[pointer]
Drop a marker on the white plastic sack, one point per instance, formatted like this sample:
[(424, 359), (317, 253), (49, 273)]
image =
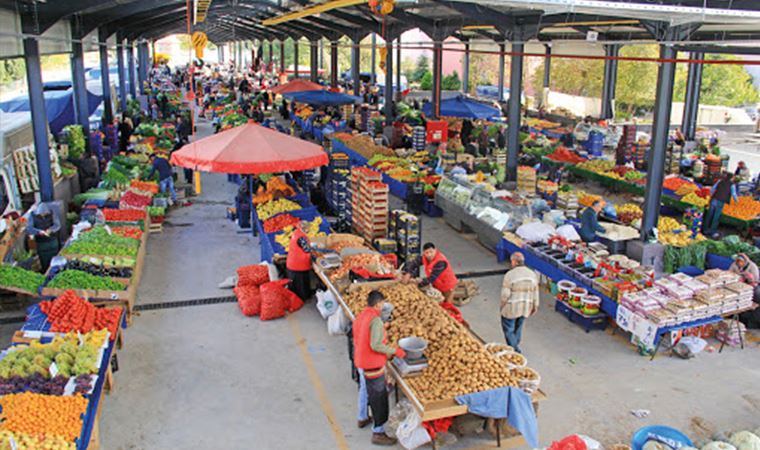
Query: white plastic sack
[(693, 343), (535, 232), (568, 232), (274, 275), (410, 433), (326, 303), (229, 282), (337, 323)]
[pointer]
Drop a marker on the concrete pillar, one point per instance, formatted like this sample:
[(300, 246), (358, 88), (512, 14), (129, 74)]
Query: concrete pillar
[(513, 117), (122, 76), (466, 69), (502, 50), (314, 61), (131, 68), (373, 74), (334, 64), (389, 116), (39, 117), (437, 73), (355, 66), (610, 80), (81, 105), (105, 76), (660, 130), (691, 100)]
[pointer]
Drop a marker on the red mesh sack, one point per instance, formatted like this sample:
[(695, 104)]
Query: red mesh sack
[(294, 302), (249, 300), (274, 303), (254, 275)]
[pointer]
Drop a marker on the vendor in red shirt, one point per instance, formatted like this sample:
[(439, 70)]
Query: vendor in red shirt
[(438, 271), (299, 264)]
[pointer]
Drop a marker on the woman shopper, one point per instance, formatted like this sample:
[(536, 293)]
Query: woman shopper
[(722, 193)]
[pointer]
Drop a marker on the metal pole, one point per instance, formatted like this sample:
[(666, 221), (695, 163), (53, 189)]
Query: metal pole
[(610, 81), (398, 64), (373, 76), (105, 77), (39, 117), (321, 54), (437, 69), (466, 69), (131, 68), (140, 67), (389, 116), (355, 66), (691, 100), (270, 63), (513, 117), (122, 77), (660, 130), (313, 60), (502, 50), (282, 56), (81, 105), (334, 64), (547, 67)]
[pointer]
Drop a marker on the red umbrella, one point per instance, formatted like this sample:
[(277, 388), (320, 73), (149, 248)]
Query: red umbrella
[(250, 149), (297, 86)]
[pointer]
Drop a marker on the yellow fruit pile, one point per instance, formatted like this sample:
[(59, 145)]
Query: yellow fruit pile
[(673, 233), (312, 230), (272, 208), (745, 209), (48, 415), (693, 199), (597, 165), (686, 188), (586, 199)]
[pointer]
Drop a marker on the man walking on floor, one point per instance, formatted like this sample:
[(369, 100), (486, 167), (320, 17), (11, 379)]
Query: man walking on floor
[(371, 352), (165, 176), (519, 299)]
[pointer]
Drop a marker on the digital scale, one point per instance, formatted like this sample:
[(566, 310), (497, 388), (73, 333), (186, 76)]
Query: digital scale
[(329, 261), (410, 367)]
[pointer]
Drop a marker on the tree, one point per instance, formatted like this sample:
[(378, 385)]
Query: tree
[(11, 70), (636, 80), (484, 70), (423, 64), (722, 84), (426, 83), (451, 82), (408, 67)]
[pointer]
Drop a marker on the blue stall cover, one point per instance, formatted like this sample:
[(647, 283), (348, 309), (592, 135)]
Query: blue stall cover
[(59, 106), (323, 98), (461, 106)]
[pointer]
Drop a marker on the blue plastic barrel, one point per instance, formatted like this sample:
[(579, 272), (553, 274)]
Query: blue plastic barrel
[(595, 143)]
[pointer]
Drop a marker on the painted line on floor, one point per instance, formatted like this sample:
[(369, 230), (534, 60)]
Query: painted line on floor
[(316, 382)]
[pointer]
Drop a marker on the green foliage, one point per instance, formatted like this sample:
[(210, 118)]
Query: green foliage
[(722, 84), (75, 140), (451, 82), (421, 69), (11, 70), (426, 83)]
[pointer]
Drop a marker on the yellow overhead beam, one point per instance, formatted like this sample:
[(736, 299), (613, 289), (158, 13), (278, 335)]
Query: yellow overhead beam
[(201, 9), (313, 10)]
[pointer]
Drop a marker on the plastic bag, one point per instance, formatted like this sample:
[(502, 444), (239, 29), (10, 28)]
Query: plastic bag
[(572, 442), (254, 275), (326, 303), (273, 300), (410, 432), (337, 324), (228, 283), (249, 300)]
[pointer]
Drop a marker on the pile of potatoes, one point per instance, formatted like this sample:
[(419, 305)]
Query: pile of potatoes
[(458, 364)]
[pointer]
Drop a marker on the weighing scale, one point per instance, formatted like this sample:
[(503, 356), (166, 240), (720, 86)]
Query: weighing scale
[(329, 261), (410, 367)]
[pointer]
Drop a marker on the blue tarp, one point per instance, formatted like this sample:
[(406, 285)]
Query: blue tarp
[(59, 106), (94, 73), (59, 85), (463, 107), (322, 98), (505, 403)]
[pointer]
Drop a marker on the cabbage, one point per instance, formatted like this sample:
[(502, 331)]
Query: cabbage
[(744, 440), (717, 445)]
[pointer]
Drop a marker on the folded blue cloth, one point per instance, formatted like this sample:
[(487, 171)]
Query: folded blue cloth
[(510, 403)]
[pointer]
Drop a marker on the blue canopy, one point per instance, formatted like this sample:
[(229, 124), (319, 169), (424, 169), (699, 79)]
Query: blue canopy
[(463, 107), (59, 106), (322, 98), (59, 85)]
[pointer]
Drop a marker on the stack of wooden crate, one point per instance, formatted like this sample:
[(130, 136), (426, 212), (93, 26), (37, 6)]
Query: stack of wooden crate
[(369, 203)]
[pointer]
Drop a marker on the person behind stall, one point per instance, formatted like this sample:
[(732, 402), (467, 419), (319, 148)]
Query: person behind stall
[(590, 221), (438, 271), (742, 172), (722, 193), (164, 169), (371, 352), (44, 227), (750, 274), (519, 299), (182, 130), (125, 132), (501, 138), (466, 131), (298, 264), (243, 200)]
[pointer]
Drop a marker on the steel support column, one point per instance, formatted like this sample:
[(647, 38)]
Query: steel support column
[(691, 100), (105, 76), (502, 50), (398, 64), (334, 64), (356, 51), (388, 94), (39, 117), (466, 69), (81, 105), (321, 54), (282, 56), (437, 73), (610, 80), (295, 58), (660, 130), (270, 63), (131, 68), (313, 60), (122, 77), (140, 67), (547, 75), (373, 75), (220, 53), (514, 115)]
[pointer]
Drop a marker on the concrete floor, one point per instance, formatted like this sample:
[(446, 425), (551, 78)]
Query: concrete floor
[(206, 377)]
